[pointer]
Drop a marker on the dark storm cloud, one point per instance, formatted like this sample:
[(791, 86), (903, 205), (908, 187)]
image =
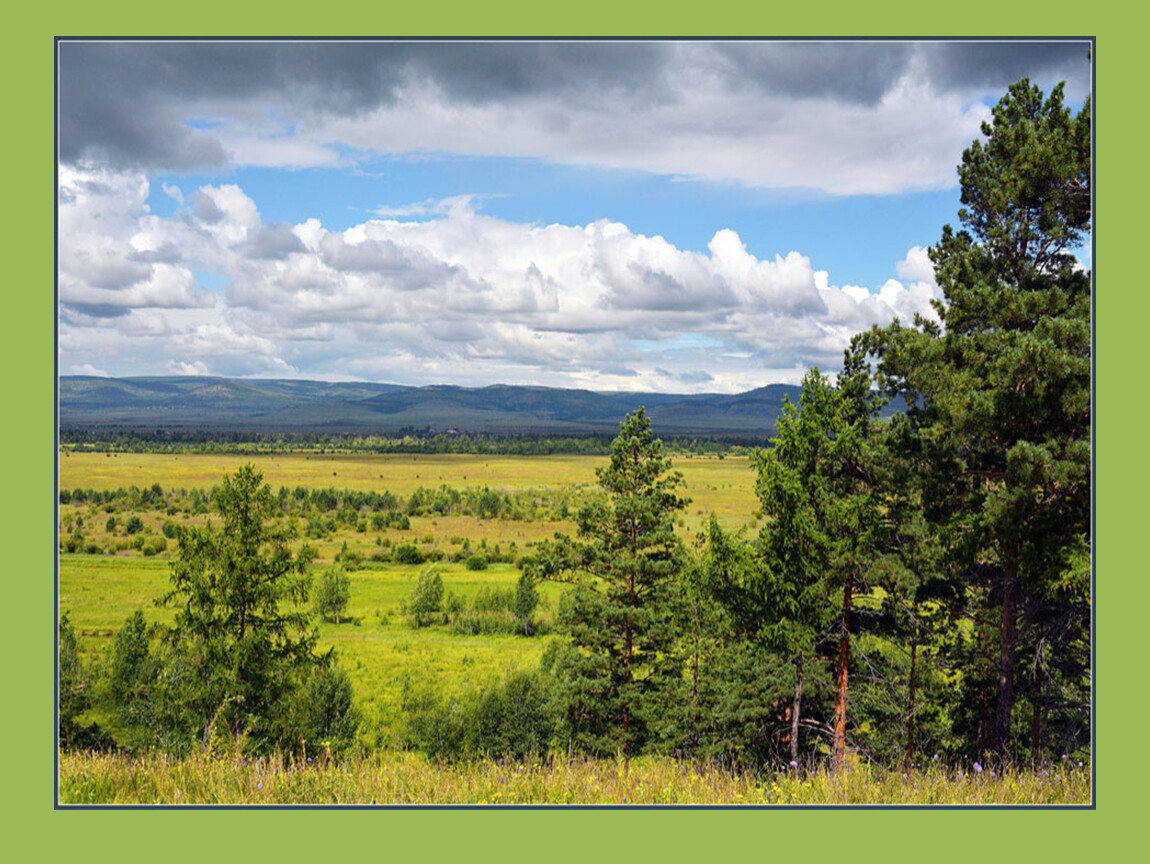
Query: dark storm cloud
[(129, 104), (848, 71), (995, 65)]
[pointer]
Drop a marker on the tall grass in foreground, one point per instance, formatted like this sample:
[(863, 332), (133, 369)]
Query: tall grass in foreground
[(407, 778)]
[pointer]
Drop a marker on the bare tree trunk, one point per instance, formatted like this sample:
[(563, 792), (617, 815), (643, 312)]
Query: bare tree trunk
[(795, 708), (840, 724), (1006, 663), (910, 705), (627, 680), (1036, 718), (982, 664), (695, 688)]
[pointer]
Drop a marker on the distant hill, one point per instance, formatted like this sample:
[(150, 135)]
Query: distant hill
[(246, 405)]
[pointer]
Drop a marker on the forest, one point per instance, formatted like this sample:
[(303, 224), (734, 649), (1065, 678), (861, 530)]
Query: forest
[(909, 590)]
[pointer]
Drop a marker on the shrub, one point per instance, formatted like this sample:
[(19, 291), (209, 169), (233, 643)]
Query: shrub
[(509, 718), (427, 597), (134, 525), (476, 562), (333, 593), (325, 719), (408, 553)]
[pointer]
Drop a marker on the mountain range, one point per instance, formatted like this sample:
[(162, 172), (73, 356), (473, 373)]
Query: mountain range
[(283, 405)]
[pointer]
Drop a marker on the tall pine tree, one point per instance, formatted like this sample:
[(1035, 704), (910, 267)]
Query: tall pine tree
[(1000, 388), (624, 555)]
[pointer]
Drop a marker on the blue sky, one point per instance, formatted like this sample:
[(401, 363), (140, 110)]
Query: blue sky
[(672, 216)]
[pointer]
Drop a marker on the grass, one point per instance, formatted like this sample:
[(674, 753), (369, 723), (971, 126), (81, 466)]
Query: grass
[(723, 486), (410, 779), (375, 644)]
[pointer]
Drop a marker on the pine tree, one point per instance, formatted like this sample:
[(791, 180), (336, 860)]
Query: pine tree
[(1000, 390), (625, 554), (814, 484)]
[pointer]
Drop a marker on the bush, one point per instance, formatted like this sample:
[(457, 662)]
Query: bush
[(427, 597), (408, 553), (324, 718), (134, 525), (333, 593), (476, 562), (509, 718)]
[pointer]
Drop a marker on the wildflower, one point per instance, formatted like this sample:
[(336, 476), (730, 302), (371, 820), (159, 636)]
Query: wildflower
[(935, 757), (977, 767), (794, 764), (502, 779), (1064, 757), (260, 785), (1045, 774), (992, 774)]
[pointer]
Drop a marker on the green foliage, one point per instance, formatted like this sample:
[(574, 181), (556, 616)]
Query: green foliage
[(526, 601), (325, 719), (134, 525), (510, 718), (333, 593), (408, 553), (73, 696), (626, 555), (476, 562), (1000, 395), (426, 598), (130, 657), (237, 590)]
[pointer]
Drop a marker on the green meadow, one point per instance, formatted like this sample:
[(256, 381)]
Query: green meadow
[(376, 644)]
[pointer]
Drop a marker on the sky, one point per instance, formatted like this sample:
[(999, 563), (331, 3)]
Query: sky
[(629, 215)]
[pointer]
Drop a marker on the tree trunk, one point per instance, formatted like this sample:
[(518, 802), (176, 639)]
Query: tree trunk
[(1036, 718), (1006, 663), (695, 688), (795, 709), (839, 754), (910, 705), (983, 663), (627, 678)]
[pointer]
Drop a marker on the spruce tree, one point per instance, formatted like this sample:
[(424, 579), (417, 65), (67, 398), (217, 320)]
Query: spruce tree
[(238, 589)]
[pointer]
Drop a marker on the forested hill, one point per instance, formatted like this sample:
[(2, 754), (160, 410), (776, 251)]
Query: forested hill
[(313, 406)]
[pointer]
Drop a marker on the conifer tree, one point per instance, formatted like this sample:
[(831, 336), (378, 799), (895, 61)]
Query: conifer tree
[(625, 553), (1000, 388), (238, 588)]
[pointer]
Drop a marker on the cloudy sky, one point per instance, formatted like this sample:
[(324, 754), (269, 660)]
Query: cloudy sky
[(669, 216)]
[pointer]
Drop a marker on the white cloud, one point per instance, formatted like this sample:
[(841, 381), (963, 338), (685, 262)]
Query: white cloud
[(463, 298)]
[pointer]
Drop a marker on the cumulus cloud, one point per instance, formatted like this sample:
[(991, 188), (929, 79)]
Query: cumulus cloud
[(847, 118), (463, 297)]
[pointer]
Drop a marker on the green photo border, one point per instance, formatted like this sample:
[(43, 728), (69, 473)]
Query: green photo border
[(35, 827)]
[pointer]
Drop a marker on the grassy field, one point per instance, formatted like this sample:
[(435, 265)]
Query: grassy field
[(409, 779), (381, 650), (723, 486), (375, 643), (377, 646)]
